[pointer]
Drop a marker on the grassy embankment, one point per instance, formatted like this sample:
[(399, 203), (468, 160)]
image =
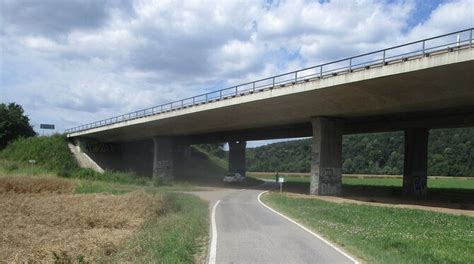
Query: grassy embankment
[(434, 182), (176, 231), (208, 169), (384, 235)]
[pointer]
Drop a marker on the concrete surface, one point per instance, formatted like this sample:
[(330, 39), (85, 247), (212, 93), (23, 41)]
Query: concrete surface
[(415, 163), (248, 232), (163, 157), (326, 162), (83, 159), (237, 157), (431, 83)]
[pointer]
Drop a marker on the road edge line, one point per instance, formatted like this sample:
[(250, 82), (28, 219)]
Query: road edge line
[(306, 229), (213, 247)]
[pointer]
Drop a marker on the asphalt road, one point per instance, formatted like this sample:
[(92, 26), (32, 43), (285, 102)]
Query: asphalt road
[(248, 232)]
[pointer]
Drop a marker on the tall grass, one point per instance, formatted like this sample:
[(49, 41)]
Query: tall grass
[(222, 163), (178, 236), (52, 155), (50, 152)]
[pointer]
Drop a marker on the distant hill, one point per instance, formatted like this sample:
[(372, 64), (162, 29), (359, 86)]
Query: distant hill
[(450, 152)]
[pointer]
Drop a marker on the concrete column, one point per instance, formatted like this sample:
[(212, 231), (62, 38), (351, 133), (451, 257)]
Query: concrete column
[(326, 166), (237, 157), (163, 156), (415, 167)]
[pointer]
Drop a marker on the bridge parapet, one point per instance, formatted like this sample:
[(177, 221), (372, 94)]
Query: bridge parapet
[(398, 54)]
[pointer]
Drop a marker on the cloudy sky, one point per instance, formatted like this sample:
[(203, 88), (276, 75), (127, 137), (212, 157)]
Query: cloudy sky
[(75, 61)]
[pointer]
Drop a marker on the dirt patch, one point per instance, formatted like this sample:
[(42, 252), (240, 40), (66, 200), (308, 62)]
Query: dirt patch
[(44, 226), (384, 202)]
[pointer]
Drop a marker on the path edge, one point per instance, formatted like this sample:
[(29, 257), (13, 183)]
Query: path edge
[(306, 229), (213, 247)]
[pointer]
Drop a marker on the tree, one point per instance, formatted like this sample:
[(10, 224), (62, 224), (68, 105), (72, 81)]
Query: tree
[(450, 152), (13, 124)]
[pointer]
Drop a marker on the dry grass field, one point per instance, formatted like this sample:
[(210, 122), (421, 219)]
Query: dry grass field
[(42, 220)]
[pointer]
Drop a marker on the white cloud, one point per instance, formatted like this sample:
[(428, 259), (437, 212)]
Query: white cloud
[(76, 62), (449, 17)]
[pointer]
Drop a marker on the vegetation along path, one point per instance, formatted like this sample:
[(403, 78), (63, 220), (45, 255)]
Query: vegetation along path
[(381, 234), (248, 232)]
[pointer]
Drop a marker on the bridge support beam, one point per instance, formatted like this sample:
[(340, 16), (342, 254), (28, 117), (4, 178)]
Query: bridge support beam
[(237, 157), (415, 167), (326, 166), (163, 158)]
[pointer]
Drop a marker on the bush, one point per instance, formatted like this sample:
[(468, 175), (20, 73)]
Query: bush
[(11, 167), (50, 152)]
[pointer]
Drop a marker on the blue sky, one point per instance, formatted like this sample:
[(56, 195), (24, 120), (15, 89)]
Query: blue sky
[(77, 61)]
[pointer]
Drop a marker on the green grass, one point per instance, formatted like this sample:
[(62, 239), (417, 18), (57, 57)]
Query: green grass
[(14, 168), (384, 235), (434, 183), (49, 152), (52, 156), (204, 168), (179, 236), (222, 163)]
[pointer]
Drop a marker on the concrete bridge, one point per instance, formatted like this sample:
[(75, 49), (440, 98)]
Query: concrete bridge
[(413, 87)]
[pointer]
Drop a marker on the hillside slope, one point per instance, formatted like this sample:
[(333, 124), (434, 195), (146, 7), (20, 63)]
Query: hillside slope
[(450, 152)]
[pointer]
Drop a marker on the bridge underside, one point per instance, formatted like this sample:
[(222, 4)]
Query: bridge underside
[(395, 91), (158, 156), (413, 96), (445, 118)]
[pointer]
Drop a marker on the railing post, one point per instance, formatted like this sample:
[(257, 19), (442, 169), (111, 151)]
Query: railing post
[(470, 37), (385, 60)]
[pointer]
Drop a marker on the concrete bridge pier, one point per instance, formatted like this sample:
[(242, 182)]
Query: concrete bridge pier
[(415, 168), (163, 158), (237, 157), (326, 166)]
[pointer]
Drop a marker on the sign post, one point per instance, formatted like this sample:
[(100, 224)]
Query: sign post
[(281, 180), (46, 126)]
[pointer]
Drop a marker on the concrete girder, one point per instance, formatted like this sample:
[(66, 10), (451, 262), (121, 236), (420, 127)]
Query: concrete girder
[(415, 167), (163, 158), (326, 166), (237, 157)]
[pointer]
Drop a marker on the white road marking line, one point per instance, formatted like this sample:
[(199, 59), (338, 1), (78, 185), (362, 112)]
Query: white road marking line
[(306, 229), (213, 249)]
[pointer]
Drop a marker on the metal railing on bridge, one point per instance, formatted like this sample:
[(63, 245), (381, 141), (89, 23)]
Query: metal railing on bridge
[(401, 53)]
